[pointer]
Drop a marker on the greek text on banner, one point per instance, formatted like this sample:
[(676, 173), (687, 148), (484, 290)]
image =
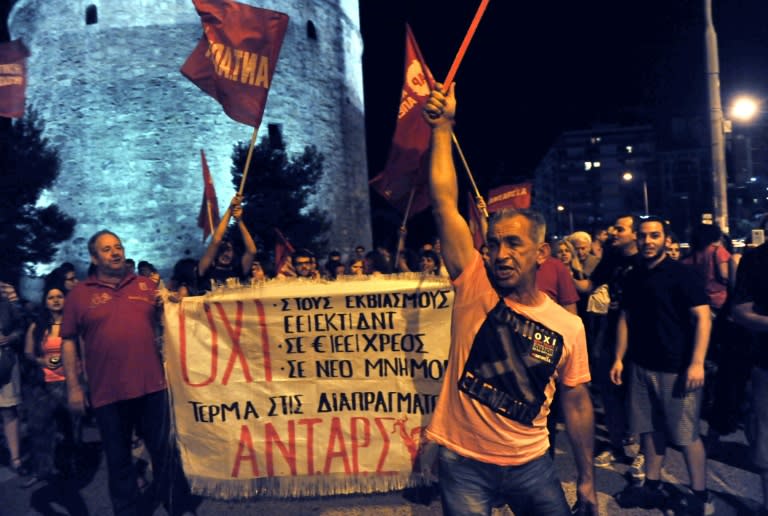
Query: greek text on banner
[(304, 388)]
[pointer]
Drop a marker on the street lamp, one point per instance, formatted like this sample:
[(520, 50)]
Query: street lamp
[(628, 177), (744, 108)]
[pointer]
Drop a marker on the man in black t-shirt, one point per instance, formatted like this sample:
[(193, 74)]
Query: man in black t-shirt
[(663, 330), (750, 310), (618, 259)]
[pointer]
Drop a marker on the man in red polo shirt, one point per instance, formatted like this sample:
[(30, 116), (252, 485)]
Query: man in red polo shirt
[(114, 312)]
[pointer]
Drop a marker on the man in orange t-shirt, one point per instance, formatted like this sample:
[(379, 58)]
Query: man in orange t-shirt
[(509, 343)]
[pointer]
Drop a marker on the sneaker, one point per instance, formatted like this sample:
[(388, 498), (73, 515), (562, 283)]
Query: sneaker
[(637, 469), (605, 459), (643, 497)]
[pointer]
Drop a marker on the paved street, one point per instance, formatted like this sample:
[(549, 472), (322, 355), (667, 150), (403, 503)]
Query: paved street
[(735, 487)]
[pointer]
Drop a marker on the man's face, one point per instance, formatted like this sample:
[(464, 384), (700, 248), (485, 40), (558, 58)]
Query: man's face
[(623, 235), (582, 248), (110, 256), (512, 253), (673, 250), (226, 254), (426, 264), (303, 266), (651, 240)]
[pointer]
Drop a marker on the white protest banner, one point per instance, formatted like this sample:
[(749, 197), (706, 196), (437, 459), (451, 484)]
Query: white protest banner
[(307, 388)]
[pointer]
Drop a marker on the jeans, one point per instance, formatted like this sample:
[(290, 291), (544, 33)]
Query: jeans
[(470, 487), (150, 416)]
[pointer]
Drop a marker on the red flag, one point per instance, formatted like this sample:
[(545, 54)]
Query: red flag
[(516, 196), (236, 56), (407, 165), (475, 222), (283, 249), (13, 78), (209, 217)]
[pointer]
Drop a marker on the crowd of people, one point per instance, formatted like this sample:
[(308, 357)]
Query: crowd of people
[(623, 318)]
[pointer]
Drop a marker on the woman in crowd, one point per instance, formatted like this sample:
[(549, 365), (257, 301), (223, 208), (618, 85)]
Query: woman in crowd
[(48, 394), (10, 392)]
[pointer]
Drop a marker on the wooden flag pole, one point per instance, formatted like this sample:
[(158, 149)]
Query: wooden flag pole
[(402, 226), (210, 215), (464, 45), (469, 173), (248, 160)]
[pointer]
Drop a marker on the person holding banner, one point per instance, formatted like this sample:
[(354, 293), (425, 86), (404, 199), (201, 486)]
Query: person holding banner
[(509, 344), (220, 262), (114, 312)]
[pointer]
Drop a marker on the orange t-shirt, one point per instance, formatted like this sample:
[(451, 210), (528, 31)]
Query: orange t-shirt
[(469, 427)]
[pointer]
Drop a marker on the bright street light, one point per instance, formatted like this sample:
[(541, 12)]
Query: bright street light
[(744, 108)]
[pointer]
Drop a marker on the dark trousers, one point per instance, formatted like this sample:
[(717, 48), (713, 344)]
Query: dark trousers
[(150, 416)]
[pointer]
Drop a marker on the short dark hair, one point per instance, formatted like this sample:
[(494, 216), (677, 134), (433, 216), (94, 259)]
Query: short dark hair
[(639, 221), (95, 237), (629, 216)]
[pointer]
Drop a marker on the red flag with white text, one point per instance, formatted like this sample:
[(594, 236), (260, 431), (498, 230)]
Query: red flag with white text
[(516, 196), (209, 216), (236, 57), (407, 165), (13, 78)]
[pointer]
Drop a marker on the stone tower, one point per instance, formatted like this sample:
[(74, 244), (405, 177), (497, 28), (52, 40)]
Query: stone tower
[(128, 127)]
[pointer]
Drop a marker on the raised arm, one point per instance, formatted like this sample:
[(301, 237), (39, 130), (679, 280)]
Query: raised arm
[(250, 246), (455, 237), (210, 253)]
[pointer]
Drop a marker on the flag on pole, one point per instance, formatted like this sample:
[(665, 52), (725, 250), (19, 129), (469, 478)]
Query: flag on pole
[(209, 217), (516, 196), (283, 249), (13, 78), (407, 165), (236, 57), (476, 226)]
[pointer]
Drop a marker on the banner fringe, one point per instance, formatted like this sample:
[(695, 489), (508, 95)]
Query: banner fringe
[(305, 487)]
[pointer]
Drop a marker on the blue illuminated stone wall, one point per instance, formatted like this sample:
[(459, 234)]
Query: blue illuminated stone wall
[(129, 127)]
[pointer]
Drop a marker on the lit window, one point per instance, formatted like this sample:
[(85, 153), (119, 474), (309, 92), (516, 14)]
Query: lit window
[(629, 149), (596, 164), (752, 179), (587, 165), (594, 140)]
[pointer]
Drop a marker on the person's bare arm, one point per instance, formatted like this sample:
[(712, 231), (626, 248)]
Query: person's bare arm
[(744, 315), (210, 252), (703, 324), (621, 349), (455, 236), (580, 425), (75, 394)]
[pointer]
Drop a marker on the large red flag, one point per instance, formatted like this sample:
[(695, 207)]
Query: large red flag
[(236, 56), (209, 217), (283, 249), (13, 78), (407, 165), (516, 196)]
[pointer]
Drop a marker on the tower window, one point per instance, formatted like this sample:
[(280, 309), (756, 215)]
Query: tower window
[(91, 15), (311, 31)]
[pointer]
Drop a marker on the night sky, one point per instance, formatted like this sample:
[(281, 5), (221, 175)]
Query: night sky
[(536, 69)]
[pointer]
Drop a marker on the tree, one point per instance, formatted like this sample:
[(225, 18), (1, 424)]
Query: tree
[(30, 233), (276, 194)]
